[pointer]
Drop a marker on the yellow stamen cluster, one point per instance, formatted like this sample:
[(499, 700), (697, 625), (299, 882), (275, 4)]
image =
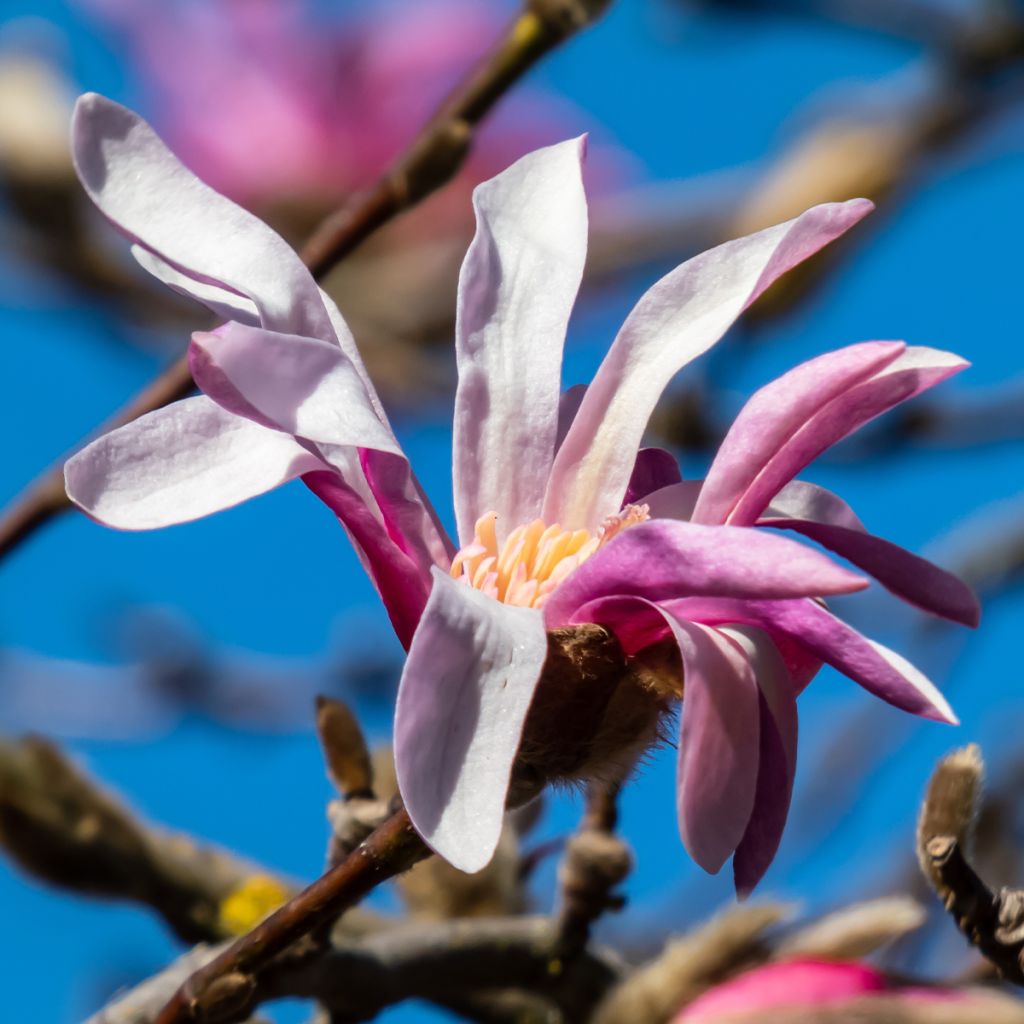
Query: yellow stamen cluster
[(534, 558)]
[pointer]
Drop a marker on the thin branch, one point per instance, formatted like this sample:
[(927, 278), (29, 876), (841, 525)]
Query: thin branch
[(390, 849), (430, 161)]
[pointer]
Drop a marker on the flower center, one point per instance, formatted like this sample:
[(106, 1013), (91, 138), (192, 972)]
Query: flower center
[(534, 558)]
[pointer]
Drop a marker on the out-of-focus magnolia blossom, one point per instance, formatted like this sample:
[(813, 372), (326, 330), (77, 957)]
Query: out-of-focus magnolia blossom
[(808, 984), (268, 100), (563, 519)]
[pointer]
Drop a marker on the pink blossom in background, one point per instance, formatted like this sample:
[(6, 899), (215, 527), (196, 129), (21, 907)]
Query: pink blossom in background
[(268, 100), (803, 984), (562, 517)]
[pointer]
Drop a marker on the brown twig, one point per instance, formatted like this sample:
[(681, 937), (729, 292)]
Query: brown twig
[(595, 863), (993, 922), (390, 849), (431, 160)]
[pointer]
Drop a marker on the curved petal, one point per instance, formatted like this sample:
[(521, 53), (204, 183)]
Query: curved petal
[(916, 370), (719, 737), (679, 318), (653, 470), (465, 691), (776, 761), (152, 198), (663, 559), (776, 412), (300, 385), (905, 574), (224, 303), (880, 671), (568, 405), (179, 463), (516, 292)]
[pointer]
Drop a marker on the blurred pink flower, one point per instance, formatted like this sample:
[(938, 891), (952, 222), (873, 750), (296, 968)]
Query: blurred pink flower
[(268, 100), (562, 517), (800, 984)]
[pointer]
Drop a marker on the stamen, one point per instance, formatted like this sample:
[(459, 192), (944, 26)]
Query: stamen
[(535, 557)]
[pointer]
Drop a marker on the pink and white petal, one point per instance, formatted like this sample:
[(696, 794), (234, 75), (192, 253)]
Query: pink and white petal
[(654, 469), (224, 303), (664, 559), (916, 370), (153, 199), (636, 622), (777, 757), (179, 463), (880, 671), (915, 579), (776, 412), (678, 319), (676, 501), (464, 695), (516, 292), (311, 389), (300, 385), (403, 584), (716, 773)]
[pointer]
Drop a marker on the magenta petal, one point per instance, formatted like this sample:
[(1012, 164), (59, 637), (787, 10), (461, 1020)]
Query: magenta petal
[(776, 761), (402, 582), (152, 198), (880, 671), (776, 412), (516, 292), (718, 744), (915, 579), (678, 319), (179, 463), (654, 469), (911, 373), (465, 691), (663, 559)]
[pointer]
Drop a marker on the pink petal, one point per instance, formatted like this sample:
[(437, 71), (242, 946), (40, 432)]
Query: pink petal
[(799, 984), (916, 370), (880, 671), (311, 389), (679, 318), (718, 744), (653, 470), (153, 199), (908, 576), (466, 687), (302, 386), (777, 757), (663, 559), (516, 292), (179, 463), (776, 412)]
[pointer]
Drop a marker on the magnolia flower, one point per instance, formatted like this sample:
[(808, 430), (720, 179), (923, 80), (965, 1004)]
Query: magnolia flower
[(809, 984), (577, 549)]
